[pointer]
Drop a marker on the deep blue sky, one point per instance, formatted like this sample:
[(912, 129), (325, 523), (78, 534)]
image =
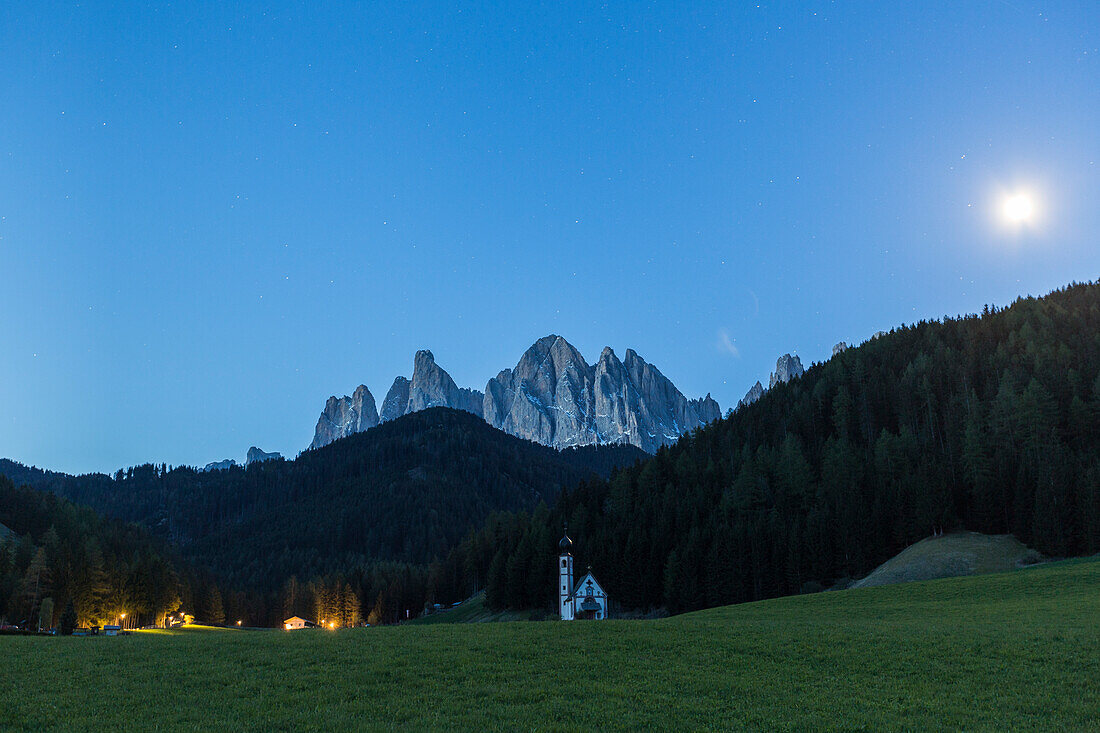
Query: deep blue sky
[(214, 215)]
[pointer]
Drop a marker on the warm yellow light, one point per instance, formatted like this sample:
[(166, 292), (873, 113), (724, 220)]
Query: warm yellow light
[(288, 627), (124, 615), (332, 625), (238, 623), (1018, 208)]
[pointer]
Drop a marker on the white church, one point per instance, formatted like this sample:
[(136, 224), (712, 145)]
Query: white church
[(587, 599)]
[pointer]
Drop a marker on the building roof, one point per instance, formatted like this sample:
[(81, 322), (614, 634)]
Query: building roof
[(582, 584), (296, 618)]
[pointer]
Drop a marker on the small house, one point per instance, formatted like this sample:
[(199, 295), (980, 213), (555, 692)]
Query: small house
[(111, 630), (297, 622)]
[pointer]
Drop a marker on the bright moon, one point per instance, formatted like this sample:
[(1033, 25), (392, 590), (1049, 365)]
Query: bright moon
[(1018, 208)]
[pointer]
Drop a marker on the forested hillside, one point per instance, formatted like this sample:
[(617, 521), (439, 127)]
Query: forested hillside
[(989, 423), (59, 554), (359, 517)]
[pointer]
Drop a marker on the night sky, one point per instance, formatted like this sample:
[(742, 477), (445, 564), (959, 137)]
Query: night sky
[(215, 215)]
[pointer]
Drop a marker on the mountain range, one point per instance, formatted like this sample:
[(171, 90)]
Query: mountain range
[(552, 396)]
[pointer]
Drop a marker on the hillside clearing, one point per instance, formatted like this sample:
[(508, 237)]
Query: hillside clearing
[(952, 555), (1015, 650), (473, 611)]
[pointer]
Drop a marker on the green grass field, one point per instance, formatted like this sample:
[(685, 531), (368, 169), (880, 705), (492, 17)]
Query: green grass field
[(1016, 650)]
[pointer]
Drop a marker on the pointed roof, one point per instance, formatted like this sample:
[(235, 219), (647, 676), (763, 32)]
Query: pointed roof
[(584, 581)]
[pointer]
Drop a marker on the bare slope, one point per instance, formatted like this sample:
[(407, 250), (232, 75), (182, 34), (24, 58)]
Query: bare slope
[(952, 555)]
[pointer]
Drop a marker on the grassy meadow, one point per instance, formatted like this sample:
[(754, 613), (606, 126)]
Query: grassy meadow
[(1016, 650)]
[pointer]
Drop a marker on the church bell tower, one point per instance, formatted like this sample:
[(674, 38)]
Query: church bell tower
[(565, 577)]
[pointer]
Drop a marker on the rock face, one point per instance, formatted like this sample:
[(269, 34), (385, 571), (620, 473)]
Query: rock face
[(554, 397), (787, 367), (547, 397), (397, 400), (345, 415), (753, 395), (430, 386), (220, 465), (840, 348), (706, 408), (255, 455)]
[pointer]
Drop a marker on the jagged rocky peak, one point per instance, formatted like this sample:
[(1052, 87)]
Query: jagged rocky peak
[(546, 398), (753, 394), (706, 408), (554, 397), (840, 348), (255, 455), (430, 386), (344, 416), (220, 465), (787, 367), (397, 400)]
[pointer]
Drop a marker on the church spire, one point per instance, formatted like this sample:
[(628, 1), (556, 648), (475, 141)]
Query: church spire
[(566, 544)]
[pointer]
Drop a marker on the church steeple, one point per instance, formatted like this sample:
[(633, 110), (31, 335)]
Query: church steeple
[(566, 544), (584, 600), (565, 576)]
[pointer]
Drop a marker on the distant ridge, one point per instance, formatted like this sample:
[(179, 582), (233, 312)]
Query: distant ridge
[(406, 491)]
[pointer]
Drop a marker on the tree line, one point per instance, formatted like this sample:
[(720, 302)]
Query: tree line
[(64, 565)]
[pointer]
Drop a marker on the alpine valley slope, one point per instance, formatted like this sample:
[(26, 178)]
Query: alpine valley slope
[(552, 396)]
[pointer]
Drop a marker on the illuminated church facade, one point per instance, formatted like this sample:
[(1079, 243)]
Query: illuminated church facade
[(584, 600)]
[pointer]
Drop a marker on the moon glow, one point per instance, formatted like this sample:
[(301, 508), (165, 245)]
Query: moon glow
[(1018, 208)]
